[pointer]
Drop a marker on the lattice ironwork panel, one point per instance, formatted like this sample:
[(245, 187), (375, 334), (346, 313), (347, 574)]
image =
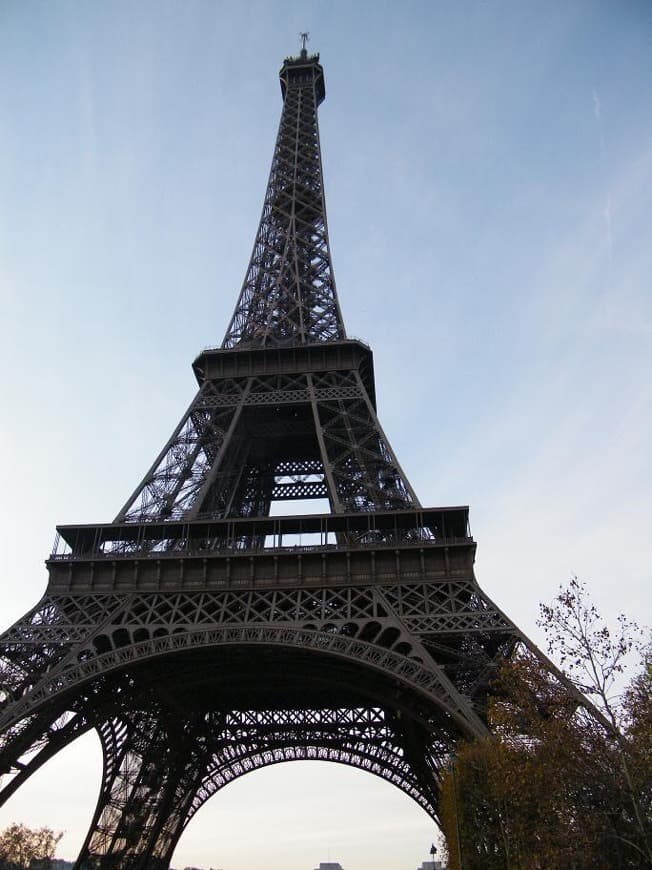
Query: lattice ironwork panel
[(289, 295), (365, 472), (44, 637), (161, 767), (445, 607), (142, 776), (31, 743), (174, 482), (360, 737)]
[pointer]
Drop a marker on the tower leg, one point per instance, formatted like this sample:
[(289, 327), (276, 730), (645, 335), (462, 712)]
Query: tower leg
[(54, 737), (150, 761)]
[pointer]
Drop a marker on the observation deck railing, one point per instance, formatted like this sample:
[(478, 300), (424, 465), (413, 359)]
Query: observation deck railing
[(269, 535)]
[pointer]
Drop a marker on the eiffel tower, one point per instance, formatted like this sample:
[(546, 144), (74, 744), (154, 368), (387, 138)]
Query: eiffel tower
[(201, 635)]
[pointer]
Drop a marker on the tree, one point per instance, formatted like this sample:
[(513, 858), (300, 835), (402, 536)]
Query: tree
[(23, 847), (595, 658), (557, 784)]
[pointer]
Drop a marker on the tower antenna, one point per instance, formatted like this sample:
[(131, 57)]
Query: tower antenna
[(305, 38)]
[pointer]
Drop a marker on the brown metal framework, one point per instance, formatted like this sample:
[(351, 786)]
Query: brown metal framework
[(203, 638)]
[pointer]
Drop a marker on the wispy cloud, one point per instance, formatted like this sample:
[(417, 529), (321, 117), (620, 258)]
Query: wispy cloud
[(607, 227), (597, 106), (606, 213), (597, 112), (561, 469)]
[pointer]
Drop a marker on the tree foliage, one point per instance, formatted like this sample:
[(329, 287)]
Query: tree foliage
[(23, 847), (557, 785)]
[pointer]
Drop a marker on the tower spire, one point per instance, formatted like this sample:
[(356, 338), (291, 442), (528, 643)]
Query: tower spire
[(288, 295)]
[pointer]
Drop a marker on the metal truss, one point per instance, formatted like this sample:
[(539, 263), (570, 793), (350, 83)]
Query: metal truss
[(289, 295), (204, 638), (170, 488), (368, 738), (246, 442), (152, 763), (361, 466), (420, 652), (385, 628), (162, 766)]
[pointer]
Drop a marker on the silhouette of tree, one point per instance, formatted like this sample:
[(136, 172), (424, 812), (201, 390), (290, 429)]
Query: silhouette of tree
[(22, 847), (557, 785)]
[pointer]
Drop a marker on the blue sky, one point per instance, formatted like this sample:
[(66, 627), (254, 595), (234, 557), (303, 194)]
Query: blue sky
[(488, 171)]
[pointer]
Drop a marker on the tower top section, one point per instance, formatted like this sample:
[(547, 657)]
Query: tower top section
[(304, 69), (288, 297)]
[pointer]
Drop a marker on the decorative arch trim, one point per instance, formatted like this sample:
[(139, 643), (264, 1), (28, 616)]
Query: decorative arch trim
[(409, 672)]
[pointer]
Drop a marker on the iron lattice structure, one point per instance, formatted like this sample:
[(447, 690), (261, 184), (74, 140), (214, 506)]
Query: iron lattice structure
[(203, 638)]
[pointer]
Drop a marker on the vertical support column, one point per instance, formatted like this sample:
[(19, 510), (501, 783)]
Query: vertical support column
[(177, 481), (215, 492), (149, 762), (361, 466)]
